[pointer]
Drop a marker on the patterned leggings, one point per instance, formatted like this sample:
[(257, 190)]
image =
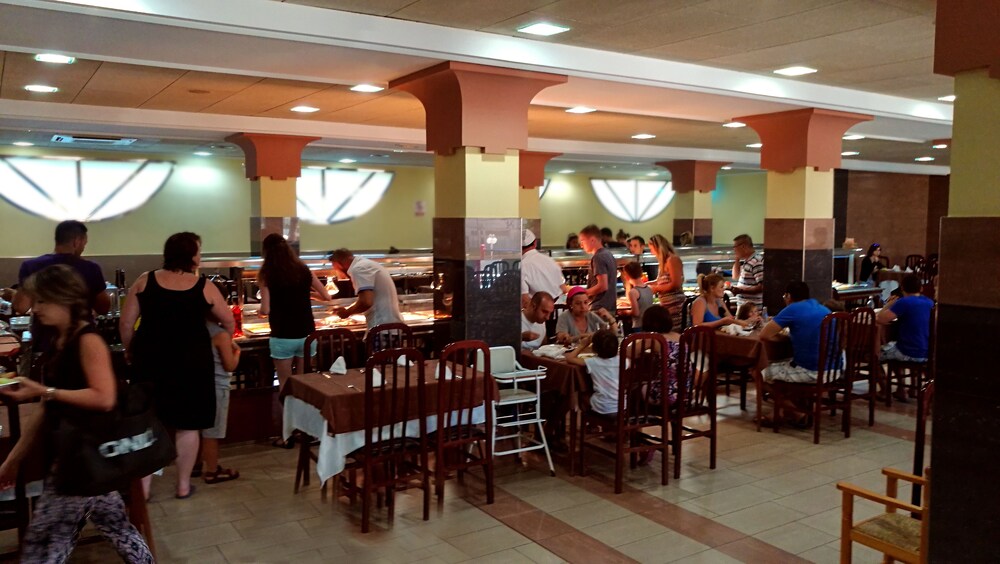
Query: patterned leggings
[(57, 521)]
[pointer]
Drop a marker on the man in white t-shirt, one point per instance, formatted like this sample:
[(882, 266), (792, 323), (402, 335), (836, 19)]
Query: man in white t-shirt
[(376, 291), (539, 273), (533, 318)]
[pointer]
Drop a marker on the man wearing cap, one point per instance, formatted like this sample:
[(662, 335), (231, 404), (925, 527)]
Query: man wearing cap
[(377, 297), (539, 273)]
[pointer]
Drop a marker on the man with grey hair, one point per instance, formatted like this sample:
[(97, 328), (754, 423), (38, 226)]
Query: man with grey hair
[(748, 271)]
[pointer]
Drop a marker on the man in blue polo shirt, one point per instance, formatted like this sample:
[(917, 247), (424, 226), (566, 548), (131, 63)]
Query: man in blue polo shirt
[(913, 311), (803, 317)]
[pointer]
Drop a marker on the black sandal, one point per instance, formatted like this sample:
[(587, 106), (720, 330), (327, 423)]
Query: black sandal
[(281, 443), (221, 475)]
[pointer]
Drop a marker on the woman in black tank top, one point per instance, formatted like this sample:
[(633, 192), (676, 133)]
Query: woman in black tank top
[(78, 379)]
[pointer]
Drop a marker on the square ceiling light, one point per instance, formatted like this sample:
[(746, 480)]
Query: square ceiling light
[(544, 29), (795, 71), (643, 136)]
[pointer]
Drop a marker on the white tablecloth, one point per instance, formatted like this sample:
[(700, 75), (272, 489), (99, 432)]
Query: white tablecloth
[(333, 449)]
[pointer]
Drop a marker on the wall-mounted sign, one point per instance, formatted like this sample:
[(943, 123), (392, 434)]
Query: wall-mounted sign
[(333, 195), (633, 200), (81, 189)]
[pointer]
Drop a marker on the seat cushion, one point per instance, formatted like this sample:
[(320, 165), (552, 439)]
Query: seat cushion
[(509, 395), (898, 529)]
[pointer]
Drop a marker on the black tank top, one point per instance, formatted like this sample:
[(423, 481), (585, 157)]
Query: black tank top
[(291, 309), (64, 370)]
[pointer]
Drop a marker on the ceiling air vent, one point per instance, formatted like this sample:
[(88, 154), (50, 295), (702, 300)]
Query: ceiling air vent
[(93, 140)]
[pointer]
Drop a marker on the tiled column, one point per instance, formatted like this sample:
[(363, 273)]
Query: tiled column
[(531, 178), (273, 162), (801, 149), (693, 183), (965, 525), (477, 123)]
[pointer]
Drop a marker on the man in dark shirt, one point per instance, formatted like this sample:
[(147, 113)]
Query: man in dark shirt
[(71, 240), (602, 278)]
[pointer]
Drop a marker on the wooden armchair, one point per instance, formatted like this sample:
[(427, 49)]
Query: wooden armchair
[(900, 536)]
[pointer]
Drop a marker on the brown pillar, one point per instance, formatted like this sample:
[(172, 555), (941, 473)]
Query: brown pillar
[(531, 178), (477, 124), (693, 183), (273, 162), (965, 526), (801, 149)]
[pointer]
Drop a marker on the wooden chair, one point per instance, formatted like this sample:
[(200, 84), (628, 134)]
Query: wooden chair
[(696, 392), (862, 356), (389, 336), (390, 456), (643, 390), (919, 372), (330, 344), (896, 535), (831, 378), (686, 313), (914, 262), (459, 442)]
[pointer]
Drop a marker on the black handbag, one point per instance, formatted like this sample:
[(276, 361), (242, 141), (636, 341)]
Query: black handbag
[(97, 453)]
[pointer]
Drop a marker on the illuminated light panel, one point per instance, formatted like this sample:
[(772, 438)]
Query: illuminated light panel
[(41, 88), (633, 200), (335, 195), (652, 174), (850, 154), (80, 189), (643, 136), (543, 28), (755, 145), (924, 159), (203, 154), (347, 161), (23, 144), (567, 171), (948, 98), (727, 168), (938, 146), (54, 58), (795, 71), (734, 124), (853, 137), (580, 110), (367, 88), (304, 109)]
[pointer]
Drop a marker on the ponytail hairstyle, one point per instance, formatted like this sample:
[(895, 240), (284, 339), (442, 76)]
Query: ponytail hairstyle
[(708, 281)]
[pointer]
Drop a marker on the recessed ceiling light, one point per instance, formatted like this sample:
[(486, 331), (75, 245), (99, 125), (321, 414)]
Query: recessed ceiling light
[(755, 145), (203, 153), (940, 146), (948, 98), (53, 58), (924, 159), (347, 161), (580, 110), (794, 71), (568, 171), (850, 154), (367, 88), (652, 174), (24, 144), (734, 124), (542, 28), (41, 88), (853, 137), (305, 109), (314, 167), (643, 136), (727, 168)]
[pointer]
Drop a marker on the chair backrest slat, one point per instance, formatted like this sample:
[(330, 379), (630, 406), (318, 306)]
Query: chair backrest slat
[(833, 342), (393, 402), (642, 379), (467, 389), (330, 344), (696, 368), (389, 336), (862, 337)]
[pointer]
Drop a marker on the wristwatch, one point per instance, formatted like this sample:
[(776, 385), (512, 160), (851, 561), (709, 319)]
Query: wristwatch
[(50, 394)]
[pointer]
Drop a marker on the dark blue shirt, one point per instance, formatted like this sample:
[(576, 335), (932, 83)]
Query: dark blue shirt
[(914, 318), (90, 272), (803, 320)]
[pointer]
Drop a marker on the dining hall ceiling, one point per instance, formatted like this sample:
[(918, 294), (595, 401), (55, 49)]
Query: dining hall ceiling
[(177, 84)]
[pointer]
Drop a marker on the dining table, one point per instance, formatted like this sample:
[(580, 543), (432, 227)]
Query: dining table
[(562, 389), (331, 407)]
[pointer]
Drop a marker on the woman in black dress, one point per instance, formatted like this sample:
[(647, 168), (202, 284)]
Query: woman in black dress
[(172, 349), (871, 264)]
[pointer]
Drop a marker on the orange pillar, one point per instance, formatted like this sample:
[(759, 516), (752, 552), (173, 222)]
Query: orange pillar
[(693, 183), (963, 524), (477, 125), (273, 162), (801, 149)]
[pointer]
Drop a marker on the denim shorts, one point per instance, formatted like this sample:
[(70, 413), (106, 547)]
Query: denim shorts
[(283, 349)]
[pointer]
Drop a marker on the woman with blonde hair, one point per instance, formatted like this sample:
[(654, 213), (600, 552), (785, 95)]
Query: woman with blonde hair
[(709, 308), (670, 277)]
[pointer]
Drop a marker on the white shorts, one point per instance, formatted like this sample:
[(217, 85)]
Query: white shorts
[(890, 352), (783, 371)]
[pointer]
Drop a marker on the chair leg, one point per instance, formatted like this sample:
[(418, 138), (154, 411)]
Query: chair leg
[(619, 464), (871, 397), (488, 470), (744, 377), (366, 500), (817, 411), (425, 480), (847, 417), (677, 431), (664, 456), (545, 444), (302, 467), (582, 445), (712, 440)]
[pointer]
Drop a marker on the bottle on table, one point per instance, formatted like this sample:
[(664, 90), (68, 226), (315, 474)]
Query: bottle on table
[(237, 315)]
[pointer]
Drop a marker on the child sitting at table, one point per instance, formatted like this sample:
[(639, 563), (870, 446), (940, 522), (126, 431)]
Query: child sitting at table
[(603, 369), (640, 295), (746, 311), (226, 354)]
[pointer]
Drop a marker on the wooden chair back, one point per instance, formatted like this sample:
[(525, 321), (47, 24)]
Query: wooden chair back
[(392, 402), (686, 313), (833, 340), (330, 344), (389, 336), (696, 371), (862, 345), (642, 381), (914, 262), (458, 383)]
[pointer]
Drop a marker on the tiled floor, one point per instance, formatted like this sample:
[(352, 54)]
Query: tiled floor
[(770, 499)]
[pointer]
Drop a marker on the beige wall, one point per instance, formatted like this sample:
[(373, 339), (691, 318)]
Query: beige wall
[(738, 207)]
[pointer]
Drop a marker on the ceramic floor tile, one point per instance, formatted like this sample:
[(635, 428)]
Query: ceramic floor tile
[(759, 518), (708, 557), (625, 530), (811, 502), (792, 482), (665, 547), (714, 482), (538, 554), (733, 499), (481, 543), (589, 514), (795, 537), (189, 541), (844, 468)]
